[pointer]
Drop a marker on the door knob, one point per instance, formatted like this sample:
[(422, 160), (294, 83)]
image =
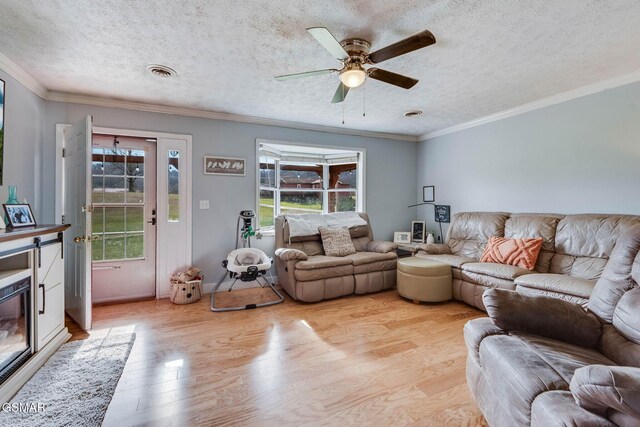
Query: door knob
[(79, 239)]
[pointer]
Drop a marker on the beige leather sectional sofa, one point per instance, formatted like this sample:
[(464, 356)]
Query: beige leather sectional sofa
[(543, 362), (575, 251), (308, 275)]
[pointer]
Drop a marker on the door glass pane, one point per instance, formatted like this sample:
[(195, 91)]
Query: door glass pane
[(114, 246), (114, 190), (97, 220), (135, 162), (97, 161), (267, 208), (135, 189), (114, 161), (97, 192), (342, 201), (135, 245), (174, 185), (292, 202), (97, 253), (300, 176), (113, 220), (135, 219)]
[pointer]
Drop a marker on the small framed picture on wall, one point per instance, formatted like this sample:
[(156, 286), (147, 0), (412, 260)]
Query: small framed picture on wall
[(417, 231)]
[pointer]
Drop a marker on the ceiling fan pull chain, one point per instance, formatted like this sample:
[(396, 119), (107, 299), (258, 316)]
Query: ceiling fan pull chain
[(364, 99), (342, 86)]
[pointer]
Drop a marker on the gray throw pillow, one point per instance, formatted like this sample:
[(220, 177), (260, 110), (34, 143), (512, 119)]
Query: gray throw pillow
[(336, 241)]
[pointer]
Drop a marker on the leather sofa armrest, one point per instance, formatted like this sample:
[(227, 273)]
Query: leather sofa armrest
[(475, 331), (286, 254), (434, 248), (381, 246), (599, 388), (542, 315)]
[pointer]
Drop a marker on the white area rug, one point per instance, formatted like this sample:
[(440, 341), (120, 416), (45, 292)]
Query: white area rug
[(75, 385)]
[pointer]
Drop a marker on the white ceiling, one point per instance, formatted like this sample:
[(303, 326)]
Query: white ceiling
[(490, 55)]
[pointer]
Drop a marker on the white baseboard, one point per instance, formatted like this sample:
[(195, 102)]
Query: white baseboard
[(208, 287)]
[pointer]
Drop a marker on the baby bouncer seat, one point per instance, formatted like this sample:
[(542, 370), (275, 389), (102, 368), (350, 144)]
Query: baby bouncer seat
[(246, 264)]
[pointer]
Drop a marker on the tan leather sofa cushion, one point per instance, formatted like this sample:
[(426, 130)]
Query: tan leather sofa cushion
[(557, 283), (323, 273), (452, 260), (362, 258), (368, 262), (591, 235), (501, 271), (470, 231), (322, 261)]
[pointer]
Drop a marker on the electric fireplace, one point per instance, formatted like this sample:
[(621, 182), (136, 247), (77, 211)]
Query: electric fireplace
[(15, 326)]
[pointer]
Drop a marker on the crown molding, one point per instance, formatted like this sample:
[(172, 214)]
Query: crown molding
[(535, 105), (192, 112), (15, 71)]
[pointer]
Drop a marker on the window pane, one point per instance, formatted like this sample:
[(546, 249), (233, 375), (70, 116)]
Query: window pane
[(299, 176), (267, 172), (113, 190), (135, 219), (267, 208), (113, 219), (97, 192), (174, 185), (292, 202), (135, 245), (114, 246), (343, 176), (342, 201), (114, 162)]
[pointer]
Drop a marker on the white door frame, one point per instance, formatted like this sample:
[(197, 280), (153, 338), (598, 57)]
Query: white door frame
[(185, 252)]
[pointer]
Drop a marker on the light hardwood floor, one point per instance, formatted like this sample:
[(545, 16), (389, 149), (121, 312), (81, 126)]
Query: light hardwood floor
[(370, 360)]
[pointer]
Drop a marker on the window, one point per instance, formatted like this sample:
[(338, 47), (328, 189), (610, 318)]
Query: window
[(296, 179), (173, 160)]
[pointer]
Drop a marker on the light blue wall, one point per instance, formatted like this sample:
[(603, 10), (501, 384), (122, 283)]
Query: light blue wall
[(390, 172), (579, 156), (23, 124)]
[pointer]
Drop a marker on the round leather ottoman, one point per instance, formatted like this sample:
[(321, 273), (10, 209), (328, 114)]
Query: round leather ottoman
[(421, 279)]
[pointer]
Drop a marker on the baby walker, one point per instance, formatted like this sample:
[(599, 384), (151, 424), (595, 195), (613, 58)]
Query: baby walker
[(247, 264)]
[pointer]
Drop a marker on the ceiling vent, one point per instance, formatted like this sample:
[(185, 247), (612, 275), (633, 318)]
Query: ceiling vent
[(161, 70), (413, 113)]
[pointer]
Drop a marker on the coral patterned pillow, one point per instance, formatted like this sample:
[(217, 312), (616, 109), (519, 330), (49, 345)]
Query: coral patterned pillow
[(519, 252)]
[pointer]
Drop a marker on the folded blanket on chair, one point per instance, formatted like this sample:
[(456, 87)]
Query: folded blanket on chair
[(307, 224)]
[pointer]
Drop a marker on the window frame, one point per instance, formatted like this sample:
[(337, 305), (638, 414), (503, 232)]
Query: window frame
[(360, 189)]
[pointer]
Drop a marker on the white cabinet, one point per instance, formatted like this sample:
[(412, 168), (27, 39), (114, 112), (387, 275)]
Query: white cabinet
[(49, 290)]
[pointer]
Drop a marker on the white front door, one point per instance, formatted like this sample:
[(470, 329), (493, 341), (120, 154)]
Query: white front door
[(77, 149), (123, 175)]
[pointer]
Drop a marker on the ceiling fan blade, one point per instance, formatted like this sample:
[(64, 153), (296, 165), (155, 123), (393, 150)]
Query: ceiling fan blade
[(341, 94), (326, 39), (305, 74), (392, 78), (415, 42)]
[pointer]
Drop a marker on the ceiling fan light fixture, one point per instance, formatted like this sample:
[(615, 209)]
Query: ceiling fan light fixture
[(353, 77)]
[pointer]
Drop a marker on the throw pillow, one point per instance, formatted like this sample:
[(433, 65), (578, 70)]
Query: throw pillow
[(519, 252), (336, 241)]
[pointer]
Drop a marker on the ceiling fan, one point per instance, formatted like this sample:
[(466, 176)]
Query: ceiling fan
[(354, 55)]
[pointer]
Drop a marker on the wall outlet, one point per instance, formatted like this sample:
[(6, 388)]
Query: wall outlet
[(204, 204)]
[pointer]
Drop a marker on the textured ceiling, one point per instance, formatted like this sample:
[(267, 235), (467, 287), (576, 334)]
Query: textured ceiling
[(491, 55)]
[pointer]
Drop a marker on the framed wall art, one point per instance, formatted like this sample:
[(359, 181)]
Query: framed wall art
[(230, 166)]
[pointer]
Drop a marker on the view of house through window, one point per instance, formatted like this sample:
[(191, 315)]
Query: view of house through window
[(300, 179)]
